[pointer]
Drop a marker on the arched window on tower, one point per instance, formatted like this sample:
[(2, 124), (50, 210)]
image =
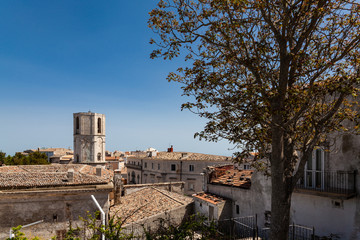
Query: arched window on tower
[(99, 157), (99, 125), (77, 125)]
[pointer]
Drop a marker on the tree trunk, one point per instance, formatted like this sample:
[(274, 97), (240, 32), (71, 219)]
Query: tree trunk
[(280, 206), (281, 187)]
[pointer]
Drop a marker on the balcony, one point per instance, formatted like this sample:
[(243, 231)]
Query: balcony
[(336, 184), (133, 165)]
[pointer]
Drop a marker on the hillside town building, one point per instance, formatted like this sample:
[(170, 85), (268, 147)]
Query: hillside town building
[(156, 167), (54, 194), (326, 198), (55, 155)]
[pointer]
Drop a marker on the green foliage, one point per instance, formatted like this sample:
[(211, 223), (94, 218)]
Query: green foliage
[(34, 158), (2, 157), (272, 77), (92, 229), (18, 235), (194, 226)]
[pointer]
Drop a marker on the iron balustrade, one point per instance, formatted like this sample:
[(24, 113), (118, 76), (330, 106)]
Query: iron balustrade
[(339, 182)]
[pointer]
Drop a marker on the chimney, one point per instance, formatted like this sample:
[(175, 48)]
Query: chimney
[(171, 149), (98, 171), (117, 186), (70, 175)]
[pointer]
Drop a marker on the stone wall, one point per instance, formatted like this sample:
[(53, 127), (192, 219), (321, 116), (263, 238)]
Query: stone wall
[(173, 217), (55, 207), (88, 142)]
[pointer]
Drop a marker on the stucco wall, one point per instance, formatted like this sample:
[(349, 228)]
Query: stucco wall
[(322, 213), (222, 210), (256, 200)]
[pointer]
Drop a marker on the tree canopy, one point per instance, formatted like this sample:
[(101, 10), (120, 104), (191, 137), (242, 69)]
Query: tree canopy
[(34, 158), (272, 77)]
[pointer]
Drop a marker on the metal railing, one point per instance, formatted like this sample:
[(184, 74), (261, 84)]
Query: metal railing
[(339, 182), (247, 228)]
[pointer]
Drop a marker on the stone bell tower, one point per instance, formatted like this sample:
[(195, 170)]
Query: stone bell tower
[(89, 138)]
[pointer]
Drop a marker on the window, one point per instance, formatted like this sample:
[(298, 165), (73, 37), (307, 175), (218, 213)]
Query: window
[(246, 166), (99, 157), (146, 165), (152, 165), (191, 168), (173, 167), (237, 209), (99, 125), (77, 124), (158, 166), (55, 218), (314, 170), (133, 177), (191, 186), (77, 157)]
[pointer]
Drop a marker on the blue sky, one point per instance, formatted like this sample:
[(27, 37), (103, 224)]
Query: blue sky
[(61, 57)]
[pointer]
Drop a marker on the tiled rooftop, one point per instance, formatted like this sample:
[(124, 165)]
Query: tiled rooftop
[(147, 202), (30, 176), (229, 176), (112, 158), (208, 197), (182, 156)]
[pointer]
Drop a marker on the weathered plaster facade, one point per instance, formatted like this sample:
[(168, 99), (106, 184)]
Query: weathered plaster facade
[(172, 167), (327, 198), (89, 137), (334, 214)]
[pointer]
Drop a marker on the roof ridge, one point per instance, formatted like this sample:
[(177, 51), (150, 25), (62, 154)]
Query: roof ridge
[(182, 203)]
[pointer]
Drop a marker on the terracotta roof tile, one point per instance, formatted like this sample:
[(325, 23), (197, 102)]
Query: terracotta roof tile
[(182, 156), (227, 175), (208, 197), (147, 202), (29, 176)]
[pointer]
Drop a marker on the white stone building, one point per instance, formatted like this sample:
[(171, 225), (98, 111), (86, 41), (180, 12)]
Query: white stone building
[(158, 167), (326, 198), (89, 138)]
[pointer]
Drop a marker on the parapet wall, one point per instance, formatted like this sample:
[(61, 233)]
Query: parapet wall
[(177, 187), (173, 217)]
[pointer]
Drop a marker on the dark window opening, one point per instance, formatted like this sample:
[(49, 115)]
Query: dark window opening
[(99, 156), (55, 217), (173, 167), (77, 124), (191, 168), (99, 125), (237, 209)]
